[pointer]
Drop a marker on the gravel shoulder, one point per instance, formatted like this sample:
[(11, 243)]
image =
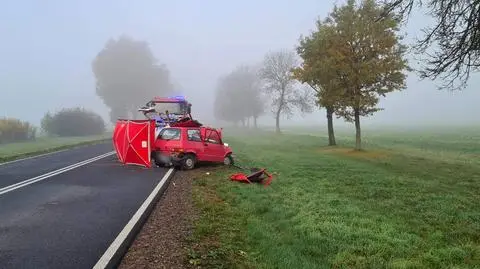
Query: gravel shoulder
[(162, 242)]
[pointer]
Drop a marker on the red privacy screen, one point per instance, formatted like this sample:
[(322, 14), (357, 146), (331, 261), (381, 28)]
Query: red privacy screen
[(132, 140)]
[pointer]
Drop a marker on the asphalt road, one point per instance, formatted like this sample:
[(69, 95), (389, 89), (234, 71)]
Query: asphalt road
[(14, 172), (70, 219)]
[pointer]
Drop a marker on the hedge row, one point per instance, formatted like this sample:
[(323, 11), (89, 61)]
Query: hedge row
[(15, 130), (64, 123), (73, 122)]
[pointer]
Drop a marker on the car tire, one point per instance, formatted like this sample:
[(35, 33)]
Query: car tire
[(189, 162), (228, 160)]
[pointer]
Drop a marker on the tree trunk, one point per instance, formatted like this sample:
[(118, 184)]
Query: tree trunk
[(243, 122), (277, 121), (255, 122), (248, 122), (331, 134), (358, 134), (279, 110)]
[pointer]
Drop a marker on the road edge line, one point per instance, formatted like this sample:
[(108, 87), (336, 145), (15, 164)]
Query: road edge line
[(32, 157), (45, 152), (27, 182), (113, 256)]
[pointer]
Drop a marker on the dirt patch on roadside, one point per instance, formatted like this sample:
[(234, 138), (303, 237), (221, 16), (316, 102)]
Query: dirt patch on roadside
[(162, 241)]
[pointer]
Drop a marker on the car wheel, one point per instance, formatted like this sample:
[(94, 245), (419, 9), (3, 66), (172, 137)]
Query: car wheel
[(189, 162), (228, 160)]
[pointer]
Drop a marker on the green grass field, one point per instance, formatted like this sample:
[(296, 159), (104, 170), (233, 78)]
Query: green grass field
[(44, 145), (411, 200)]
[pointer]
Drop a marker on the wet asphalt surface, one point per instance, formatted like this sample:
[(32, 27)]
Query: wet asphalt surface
[(70, 219)]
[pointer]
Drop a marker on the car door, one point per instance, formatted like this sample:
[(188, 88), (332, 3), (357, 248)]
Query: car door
[(195, 143), (214, 149)]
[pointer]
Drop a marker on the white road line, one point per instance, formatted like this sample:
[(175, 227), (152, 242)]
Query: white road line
[(53, 173), (56, 172), (45, 154), (122, 236)]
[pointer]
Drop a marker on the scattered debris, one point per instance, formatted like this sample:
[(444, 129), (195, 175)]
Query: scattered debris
[(257, 175)]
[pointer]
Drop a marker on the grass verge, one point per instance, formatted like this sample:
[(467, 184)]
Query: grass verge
[(42, 145), (217, 239), (387, 207)]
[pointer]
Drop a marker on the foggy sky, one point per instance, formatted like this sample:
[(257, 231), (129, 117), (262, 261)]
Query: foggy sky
[(47, 47)]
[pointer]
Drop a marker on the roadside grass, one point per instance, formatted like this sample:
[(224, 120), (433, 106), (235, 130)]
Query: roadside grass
[(41, 145), (406, 202)]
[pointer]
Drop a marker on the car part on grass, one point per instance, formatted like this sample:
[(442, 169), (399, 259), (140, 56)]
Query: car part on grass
[(256, 175)]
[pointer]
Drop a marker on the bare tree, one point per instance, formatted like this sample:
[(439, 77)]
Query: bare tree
[(455, 33), (279, 85)]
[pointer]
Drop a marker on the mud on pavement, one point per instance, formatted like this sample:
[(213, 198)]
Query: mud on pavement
[(162, 241)]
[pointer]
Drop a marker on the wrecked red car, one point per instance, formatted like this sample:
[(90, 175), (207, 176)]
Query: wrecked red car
[(186, 146), (170, 139)]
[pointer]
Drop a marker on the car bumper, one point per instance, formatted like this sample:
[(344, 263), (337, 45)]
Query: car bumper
[(167, 158)]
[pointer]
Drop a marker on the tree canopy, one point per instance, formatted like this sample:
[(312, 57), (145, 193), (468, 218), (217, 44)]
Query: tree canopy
[(451, 47), (319, 56), (353, 59), (128, 75)]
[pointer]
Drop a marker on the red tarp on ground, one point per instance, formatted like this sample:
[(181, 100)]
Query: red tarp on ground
[(132, 140)]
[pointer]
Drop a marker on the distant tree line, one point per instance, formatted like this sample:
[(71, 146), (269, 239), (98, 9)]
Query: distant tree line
[(238, 97), (66, 122), (348, 63), (248, 91), (127, 76), (353, 58)]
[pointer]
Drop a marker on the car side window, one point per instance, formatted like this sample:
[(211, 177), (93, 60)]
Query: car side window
[(194, 135), (212, 137), (169, 134)]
